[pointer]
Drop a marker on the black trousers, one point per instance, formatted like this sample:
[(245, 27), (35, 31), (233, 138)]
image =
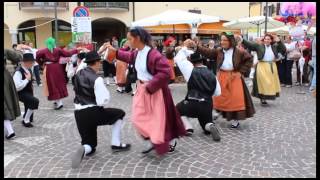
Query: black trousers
[(196, 109), (281, 71), (288, 71), (89, 119), (36, 72), (30, 102), (108, 69)]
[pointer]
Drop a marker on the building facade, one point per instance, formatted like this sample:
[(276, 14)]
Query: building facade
[(108, 18)]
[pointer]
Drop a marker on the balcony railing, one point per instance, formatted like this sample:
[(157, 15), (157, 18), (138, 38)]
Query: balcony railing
[(43, 5), (108, 5)]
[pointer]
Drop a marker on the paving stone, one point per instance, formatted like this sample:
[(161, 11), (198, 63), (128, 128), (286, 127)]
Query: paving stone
[(277, 142)]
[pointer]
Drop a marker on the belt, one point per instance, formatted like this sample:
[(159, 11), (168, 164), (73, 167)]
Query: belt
[(48, 62)]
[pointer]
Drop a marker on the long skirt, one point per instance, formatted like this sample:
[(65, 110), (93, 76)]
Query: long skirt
[(266, 82), (11, 99), (121, 68), (149, 114), (55, 81), (172, 72), (235, 101)]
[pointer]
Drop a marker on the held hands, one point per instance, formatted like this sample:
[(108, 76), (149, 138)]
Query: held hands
[(189, 44)]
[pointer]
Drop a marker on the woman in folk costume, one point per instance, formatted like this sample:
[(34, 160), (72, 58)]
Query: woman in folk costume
[(53, 75), (153, 112), (121, 68), (11, 100), (235, 102), (266, 84)]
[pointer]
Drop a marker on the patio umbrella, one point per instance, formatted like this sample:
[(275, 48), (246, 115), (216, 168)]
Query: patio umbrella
[(253, 22), (175, 16), (285, 30)]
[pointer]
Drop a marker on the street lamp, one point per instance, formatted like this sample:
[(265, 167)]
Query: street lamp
[(266, 20), (56, 22)]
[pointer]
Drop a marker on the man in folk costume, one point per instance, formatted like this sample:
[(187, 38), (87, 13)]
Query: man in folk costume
[(55, 87), (153, 112), (11, 99), (202, 85), (90, 96), (266, 84), (235, 102), (23, 82)]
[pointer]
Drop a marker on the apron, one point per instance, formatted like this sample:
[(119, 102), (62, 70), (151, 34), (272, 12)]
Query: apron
[(148, 114), (267, 78), (232, 97)]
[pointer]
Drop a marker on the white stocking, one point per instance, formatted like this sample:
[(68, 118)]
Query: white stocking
[(28, 115), (186, 122), (116, 133), (8, 126)]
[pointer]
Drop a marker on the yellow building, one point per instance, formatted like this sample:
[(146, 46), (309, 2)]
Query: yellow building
[(108, 18)]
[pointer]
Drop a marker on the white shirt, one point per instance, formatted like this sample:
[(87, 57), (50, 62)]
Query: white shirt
[(268, 55), (101, 93), (186, 67), (227, 62), (141, 64), (82, 65), (18, 82)]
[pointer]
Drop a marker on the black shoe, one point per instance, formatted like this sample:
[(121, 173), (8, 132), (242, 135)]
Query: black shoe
[(235, 126), (215, 133), (28, 125), (172, 147), (77, 157), (57, 108), (189, 132), (11, 136), (92, 152), (122, 147), (147, 150), (264, 102)]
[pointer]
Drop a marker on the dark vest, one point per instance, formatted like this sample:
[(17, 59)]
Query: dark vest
[(202, 84), (84, 86), (28, 89)]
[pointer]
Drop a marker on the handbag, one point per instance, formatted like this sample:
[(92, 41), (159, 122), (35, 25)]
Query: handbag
[(294, 55)]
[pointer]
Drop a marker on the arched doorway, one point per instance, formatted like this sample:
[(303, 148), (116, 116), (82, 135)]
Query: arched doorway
[(27, 35), (64, 33), (103, 28)]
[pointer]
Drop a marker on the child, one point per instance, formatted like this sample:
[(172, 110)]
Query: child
[(23, 82)]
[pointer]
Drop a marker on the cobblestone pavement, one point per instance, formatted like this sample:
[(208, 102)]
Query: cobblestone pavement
[(279, 141)]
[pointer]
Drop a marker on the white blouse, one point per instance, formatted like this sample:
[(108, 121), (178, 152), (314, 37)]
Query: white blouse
[(141, 64), (227, 62), (268, 55)]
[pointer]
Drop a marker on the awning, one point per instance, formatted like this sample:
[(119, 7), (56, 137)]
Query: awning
[(168, 29), (215, 28)]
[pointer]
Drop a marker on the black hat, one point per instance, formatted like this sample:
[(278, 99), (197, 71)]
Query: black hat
[(81, 55), (28, 57), (92, 56), (196, 57)]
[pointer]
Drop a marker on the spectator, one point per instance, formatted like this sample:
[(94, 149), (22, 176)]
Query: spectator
[(108, 67), (290, 46)]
